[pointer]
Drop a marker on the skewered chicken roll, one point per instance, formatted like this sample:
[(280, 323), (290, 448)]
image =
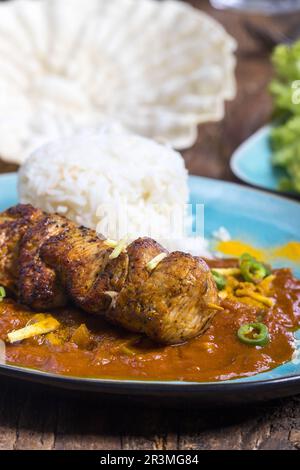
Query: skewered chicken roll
[(47, 261)]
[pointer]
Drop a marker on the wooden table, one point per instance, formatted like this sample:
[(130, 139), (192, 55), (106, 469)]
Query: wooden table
[(31, 418)]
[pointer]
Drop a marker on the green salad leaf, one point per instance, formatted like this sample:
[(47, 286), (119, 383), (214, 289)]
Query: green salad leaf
[(285, 137)]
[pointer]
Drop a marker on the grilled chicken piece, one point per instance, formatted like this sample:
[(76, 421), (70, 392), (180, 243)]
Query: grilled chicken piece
[(14, 223), (51, 261), (170, 304), (39, 285), (81, 260)]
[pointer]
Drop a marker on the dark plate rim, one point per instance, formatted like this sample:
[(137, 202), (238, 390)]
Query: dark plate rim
[(287, 383)]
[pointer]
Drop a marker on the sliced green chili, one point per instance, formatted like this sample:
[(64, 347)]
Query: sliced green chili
[(254, 334), (219, 279), (253, 270), (2, 293)]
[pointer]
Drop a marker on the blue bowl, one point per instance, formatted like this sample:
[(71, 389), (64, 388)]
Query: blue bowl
[(252, 162)]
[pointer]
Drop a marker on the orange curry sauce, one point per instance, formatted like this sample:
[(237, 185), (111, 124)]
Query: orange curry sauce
[(216, 355)]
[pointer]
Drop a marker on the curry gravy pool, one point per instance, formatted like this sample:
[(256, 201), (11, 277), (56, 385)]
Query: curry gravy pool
[(108, 352)]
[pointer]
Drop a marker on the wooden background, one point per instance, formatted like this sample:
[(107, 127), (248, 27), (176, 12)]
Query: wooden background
[(31, 418)]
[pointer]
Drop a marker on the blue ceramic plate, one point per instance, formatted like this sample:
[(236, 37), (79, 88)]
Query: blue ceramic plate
[(251, 162), (255, 217)]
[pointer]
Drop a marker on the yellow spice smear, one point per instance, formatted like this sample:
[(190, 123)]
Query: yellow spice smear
[(290, 251), (236, 248)]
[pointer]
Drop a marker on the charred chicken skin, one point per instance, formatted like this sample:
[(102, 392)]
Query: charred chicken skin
[(48, 261)]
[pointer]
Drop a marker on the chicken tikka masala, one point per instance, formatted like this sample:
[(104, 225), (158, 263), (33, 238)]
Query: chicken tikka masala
[(74, 303)]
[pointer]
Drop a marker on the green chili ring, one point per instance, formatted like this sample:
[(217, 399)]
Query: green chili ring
[(2, 293), (254, 334), (219, 279), (253, 270)]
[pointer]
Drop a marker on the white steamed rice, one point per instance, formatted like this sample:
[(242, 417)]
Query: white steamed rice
[(109, 168)]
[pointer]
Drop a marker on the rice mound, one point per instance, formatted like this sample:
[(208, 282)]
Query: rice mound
[(108, 168)]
